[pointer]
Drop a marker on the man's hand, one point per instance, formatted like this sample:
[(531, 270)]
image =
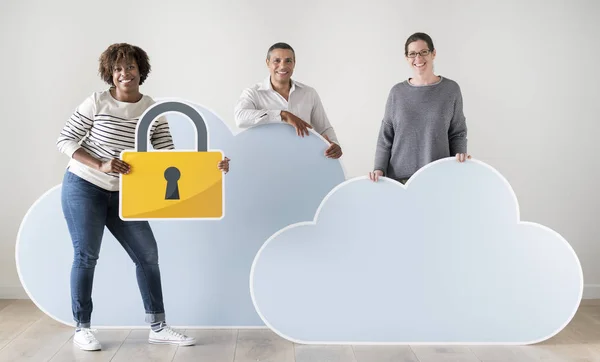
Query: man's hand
[(334, 150), (114, 165), (300, 126), (224, 165)]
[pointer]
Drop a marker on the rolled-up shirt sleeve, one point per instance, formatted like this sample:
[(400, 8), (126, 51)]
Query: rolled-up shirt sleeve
[(247, 114)]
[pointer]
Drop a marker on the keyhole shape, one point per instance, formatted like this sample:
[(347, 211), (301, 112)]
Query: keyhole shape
[(172, 175)]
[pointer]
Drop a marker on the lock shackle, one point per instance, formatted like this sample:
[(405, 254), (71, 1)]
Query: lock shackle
[(141, 143)]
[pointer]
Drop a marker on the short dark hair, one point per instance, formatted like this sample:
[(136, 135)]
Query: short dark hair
[(418, 36), (119, 51), (280, 46)]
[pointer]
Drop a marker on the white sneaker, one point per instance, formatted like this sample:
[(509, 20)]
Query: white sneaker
[(86, 340), (169, 336)]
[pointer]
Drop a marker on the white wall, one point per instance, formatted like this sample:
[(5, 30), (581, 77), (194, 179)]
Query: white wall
[(527, 72)]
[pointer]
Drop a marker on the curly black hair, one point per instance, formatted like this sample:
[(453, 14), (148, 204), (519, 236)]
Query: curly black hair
[(117, 52)]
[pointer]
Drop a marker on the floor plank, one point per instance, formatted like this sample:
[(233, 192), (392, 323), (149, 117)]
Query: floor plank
[(574, 352), (308, 353), (39, 342), (15, 318), (110, 339), (384, 354), (262, 345), (504, 354), (137, 348), (444, 354), (217, 345), (5, 302)]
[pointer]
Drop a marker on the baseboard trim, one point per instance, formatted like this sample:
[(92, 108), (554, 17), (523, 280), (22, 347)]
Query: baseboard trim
[(13, 293), (590, 291)]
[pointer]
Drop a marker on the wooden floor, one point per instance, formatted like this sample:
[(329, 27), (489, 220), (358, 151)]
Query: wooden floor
[(27, 334)]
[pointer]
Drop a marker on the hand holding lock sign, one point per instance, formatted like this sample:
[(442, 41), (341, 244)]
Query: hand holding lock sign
[(171, 184)]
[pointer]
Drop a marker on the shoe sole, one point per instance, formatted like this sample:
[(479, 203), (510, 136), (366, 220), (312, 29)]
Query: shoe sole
[(86, 348), (155, 341)]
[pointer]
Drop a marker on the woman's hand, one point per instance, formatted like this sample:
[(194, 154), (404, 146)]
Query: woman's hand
[(224, 165), (462, 157), (375, 175), (115, 165)]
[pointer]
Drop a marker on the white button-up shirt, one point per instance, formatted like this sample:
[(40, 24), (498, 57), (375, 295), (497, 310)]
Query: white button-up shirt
[(261, 104)]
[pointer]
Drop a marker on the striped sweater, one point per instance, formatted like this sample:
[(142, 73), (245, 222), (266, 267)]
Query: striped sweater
[(104, 127)]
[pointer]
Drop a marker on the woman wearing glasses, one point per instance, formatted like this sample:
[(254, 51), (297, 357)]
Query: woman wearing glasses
[(423, 119)]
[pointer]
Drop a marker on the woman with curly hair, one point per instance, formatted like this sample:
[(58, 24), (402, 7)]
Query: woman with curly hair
[(100, 128)]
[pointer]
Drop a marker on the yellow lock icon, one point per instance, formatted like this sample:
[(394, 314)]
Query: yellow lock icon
[(171, 184)]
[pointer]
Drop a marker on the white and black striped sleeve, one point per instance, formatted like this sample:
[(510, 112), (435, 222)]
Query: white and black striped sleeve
[(161, 137), (76, 127)]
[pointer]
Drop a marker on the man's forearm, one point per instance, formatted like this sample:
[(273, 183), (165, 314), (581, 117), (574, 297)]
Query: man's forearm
[(245, 118), (330, 133)]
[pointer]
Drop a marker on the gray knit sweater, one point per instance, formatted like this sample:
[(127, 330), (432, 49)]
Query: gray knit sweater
[(421, 124)]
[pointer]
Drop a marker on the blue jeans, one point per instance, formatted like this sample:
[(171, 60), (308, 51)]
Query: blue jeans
[(88, 209)]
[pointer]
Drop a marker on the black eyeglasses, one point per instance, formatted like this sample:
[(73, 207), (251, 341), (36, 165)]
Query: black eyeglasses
[(423, 53)]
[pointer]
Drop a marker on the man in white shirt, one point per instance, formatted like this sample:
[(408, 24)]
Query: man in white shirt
[(278, 98)]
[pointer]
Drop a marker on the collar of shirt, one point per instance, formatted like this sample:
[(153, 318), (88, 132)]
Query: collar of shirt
[(266, 85)]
